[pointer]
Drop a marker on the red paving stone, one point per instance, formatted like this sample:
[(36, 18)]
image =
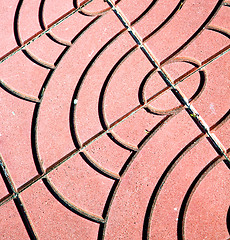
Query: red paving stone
[(94, 143)]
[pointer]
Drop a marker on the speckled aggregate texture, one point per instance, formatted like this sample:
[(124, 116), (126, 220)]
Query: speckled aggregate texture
[(115, 120)]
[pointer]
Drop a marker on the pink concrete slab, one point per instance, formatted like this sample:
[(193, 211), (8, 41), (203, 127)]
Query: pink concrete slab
[(96, 144), (52, 219), (200, 222), (7, 39), (22, 75), (11, 223), (165, 213), (15, 137), (130, 203), (185, 22), (100, 152), (81, 185), (214, 102)]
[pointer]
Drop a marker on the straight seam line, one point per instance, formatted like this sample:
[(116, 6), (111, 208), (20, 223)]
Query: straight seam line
[(41, 33), (203, 126)]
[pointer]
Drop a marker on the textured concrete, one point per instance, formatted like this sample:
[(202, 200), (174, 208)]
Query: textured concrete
[(114, 123)]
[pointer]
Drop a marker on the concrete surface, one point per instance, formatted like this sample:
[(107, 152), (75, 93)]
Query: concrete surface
[(114, 119)]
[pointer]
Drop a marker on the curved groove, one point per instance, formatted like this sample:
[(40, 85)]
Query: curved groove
[(92, 14), (73, 128), (74, 134), (228, 220), (191, 191), (36, 60), (120, 142), (17, 94), (43, 25), (221, 121), (35, 149), (198, 92), (221, 30), (166, 21), (169, 169), (101, 111), (128, 163), (196, 34), (70, 206), (94, 165), (160, 183), (19, 41), (144, 13)]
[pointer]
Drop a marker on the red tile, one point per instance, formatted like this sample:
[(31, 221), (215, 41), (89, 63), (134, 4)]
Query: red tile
[(7, 40), (211, 194), (15, 137), (82, 185), (52, 219), (128, 209), (11, 224), (120, 158), (186, 21), (22, 75), (165, 213), (209, 105)]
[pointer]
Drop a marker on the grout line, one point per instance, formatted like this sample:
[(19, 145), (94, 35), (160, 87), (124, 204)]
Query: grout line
[(14, 194), (117, 122), (200, 122), (41, 33)]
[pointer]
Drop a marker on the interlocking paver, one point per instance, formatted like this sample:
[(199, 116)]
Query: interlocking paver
[(114, 122)]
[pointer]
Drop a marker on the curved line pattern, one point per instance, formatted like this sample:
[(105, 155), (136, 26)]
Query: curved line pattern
[(43, 25), (108, 127), (169, 169), (112, 135), (220, 30), (91, 14), (74, 135), (17, 94), (123, 171), (228, 220), (35, 150), (191, 191), (19, 41), (196, 34), (143, 85)]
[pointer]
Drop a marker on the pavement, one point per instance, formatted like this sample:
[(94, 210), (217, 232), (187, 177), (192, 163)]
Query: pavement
[(114, 119)]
